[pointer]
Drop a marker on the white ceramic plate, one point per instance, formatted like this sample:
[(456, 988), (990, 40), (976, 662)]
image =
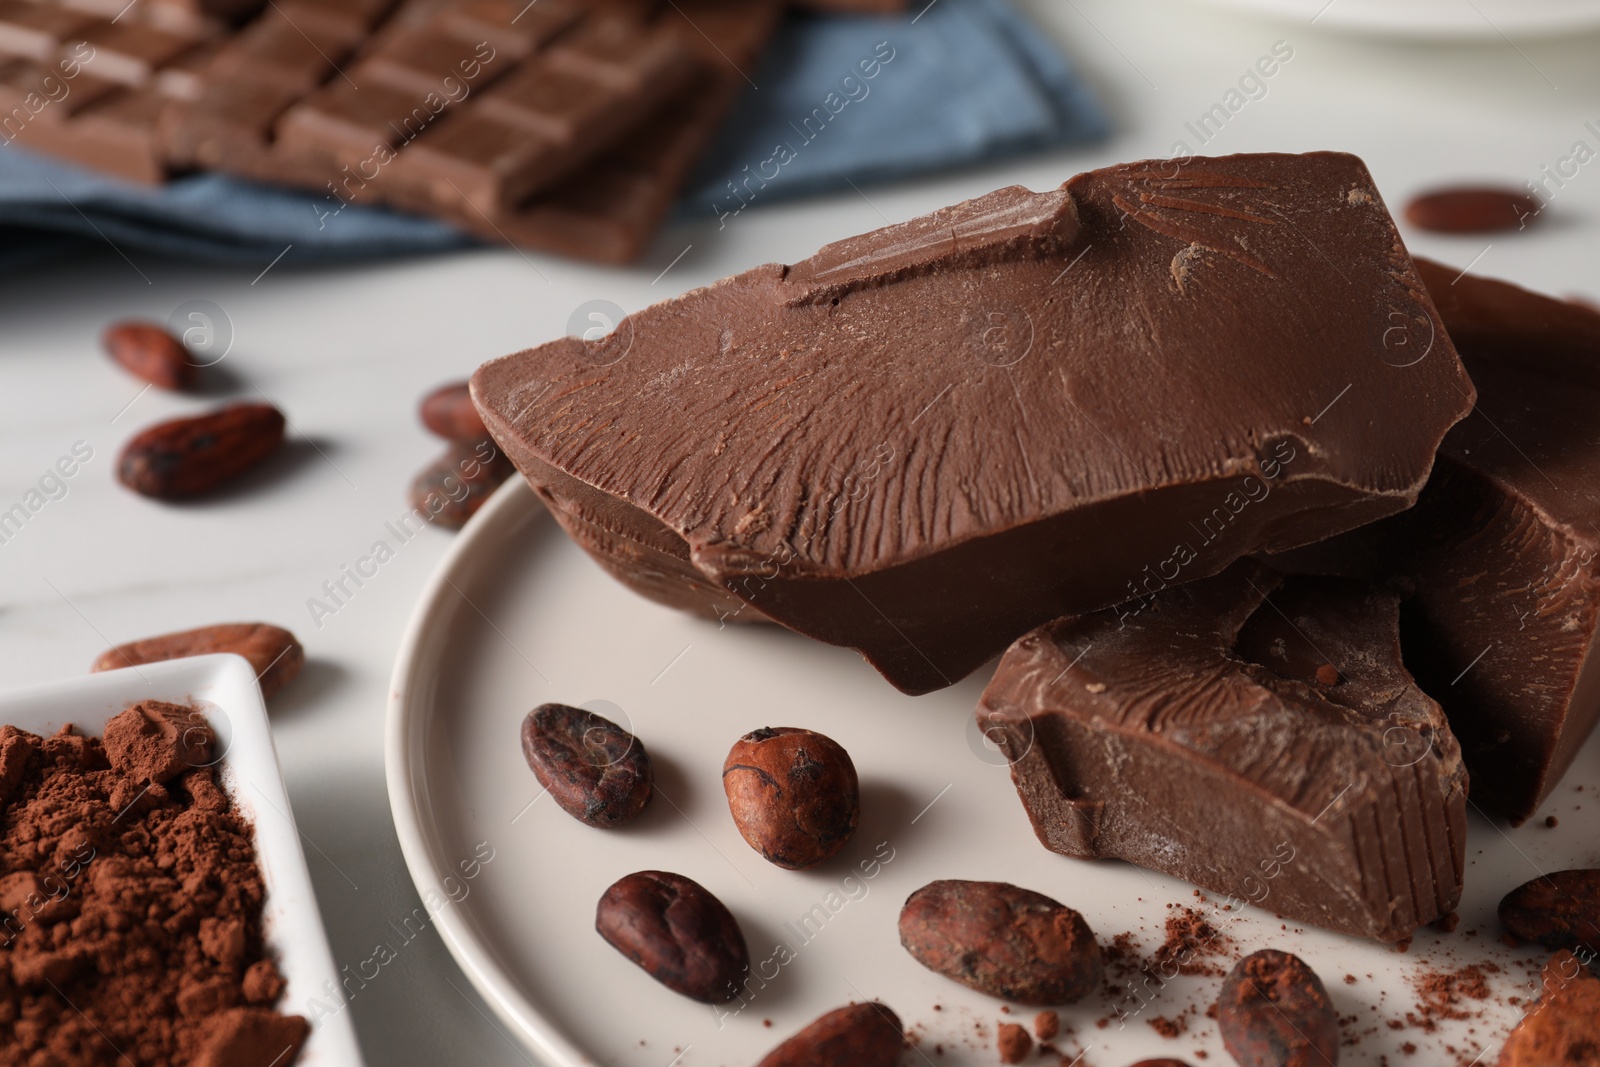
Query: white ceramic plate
[(1441, 19), (517, 616), (224, 688)]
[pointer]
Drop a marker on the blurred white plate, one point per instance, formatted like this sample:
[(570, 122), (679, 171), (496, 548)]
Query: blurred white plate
[(517, 616), (1443, 19), (224, 688)]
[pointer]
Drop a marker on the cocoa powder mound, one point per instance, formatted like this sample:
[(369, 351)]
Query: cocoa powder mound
[(130, 904)]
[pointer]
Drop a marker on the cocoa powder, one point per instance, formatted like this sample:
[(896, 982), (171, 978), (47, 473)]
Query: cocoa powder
[(130, 903)]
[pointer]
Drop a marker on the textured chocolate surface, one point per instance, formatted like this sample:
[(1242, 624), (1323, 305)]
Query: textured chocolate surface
[(924, 441), (1500, 553), (1203, 736)]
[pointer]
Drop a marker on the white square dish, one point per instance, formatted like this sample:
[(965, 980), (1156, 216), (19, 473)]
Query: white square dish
[(223, 687)]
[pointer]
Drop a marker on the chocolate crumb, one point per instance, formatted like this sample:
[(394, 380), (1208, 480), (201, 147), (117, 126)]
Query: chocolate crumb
[(1014, 1043)]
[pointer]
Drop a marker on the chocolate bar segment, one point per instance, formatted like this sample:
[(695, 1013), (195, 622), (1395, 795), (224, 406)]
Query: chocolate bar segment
[(1501, 555), (1255, 735), (923, 442)]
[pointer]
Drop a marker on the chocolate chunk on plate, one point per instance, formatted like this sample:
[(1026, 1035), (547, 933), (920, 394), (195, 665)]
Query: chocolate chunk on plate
[(1501, 555), (922, 442), (1202, 734)]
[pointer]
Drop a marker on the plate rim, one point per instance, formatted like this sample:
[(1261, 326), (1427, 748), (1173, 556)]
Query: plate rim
[(403, 727), (1583, 16)]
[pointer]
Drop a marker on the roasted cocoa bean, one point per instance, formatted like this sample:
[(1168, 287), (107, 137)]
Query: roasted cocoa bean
[(861, 1035), (1472, 209), (1046, 1025), (273, 651), (1010, 943), (448, 412), (452, 488), (149, 352), (1559, 910), (598, 772), (1274, 1012), (793, 794), (677, 933), (1563, 1026), (1013, 1042), (187, 457)]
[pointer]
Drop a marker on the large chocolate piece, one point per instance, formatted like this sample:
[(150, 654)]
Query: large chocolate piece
[(1500, 553), (922, 442), (1255, 735)]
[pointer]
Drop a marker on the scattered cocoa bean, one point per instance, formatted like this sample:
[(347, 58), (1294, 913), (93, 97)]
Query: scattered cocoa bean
[(187, 457), (1046, 1025), (149, 352), (273, 651), (452, 488), (1161, 1063), (793, 794), (1010, 943), (448, 412), (598, 772), (1472, 209), (1013, 1042), (861, 1035), (1559, 910), (677, 933), (1274, 1012), (1563, 1026)]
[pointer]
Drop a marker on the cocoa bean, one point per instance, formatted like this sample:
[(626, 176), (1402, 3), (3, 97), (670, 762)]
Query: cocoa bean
[(1559, 910), (1563, 1026), (793, 794), (1472, 209), (1010, 943), (452, 488), (273, 651), (595, 770), (448, 412), (187, 457), (861, 1035), (1274, 1012), (677, 933), (149, 352)]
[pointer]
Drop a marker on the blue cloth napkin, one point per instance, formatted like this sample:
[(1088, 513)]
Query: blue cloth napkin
[(838, 100)]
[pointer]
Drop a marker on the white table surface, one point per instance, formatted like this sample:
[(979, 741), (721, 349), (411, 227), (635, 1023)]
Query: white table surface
[(347, 351)]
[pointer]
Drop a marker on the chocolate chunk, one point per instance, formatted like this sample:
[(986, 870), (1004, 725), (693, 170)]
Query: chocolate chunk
[(1502, 551), (1190, 734), (921, 442)]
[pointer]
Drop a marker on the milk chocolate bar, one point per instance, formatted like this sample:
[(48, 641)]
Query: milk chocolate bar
[(1253, 734), (568, 125), (1501, 555), (922, 442)]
